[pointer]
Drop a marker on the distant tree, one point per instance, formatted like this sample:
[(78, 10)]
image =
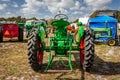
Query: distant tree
[(18, 19), (33, 18), (23, 19), (2, 19), (9, 19)]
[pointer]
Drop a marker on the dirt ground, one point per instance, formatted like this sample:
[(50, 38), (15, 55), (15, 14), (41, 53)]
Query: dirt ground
[(14, 64)]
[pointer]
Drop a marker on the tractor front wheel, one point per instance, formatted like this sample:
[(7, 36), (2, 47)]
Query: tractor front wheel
[(35, 56), (111, 42), (87, 50)]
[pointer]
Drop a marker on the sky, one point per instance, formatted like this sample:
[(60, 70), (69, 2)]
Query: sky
[(49, 8)]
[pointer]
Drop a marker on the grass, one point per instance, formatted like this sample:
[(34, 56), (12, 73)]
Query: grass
[(14, 65)]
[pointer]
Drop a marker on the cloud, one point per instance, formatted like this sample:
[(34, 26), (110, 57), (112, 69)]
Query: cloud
[(77, 12), (48, 8), (97, 4), (89, 6), (5, 0), (3, 6), (8, 13), (73, 7), (76, 6), (60, 3), (32, 6), (15, 5), (53, 6), (56, 5)]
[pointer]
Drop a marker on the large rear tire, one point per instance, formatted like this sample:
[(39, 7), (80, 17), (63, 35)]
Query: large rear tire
[(87, 50), (35, 56), (20, 36)]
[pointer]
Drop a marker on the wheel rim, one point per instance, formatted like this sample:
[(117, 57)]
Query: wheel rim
[(82, 51), (111, 42), (40, 54)]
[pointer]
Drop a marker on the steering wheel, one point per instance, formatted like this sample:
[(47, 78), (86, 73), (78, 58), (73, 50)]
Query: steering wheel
[(61, 16)]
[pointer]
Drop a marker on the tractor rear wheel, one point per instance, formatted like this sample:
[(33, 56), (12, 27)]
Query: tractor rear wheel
[(35, 56), (87, 50), (20, 36)]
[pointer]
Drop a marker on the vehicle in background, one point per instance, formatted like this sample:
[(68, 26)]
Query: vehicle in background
[(105, 29), (11, 30)]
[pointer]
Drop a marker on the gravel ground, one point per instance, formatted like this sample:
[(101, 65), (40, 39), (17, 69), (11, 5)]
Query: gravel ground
[(14, 64)]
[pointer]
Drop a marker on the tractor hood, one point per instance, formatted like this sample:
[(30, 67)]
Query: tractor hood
[(60, 23)]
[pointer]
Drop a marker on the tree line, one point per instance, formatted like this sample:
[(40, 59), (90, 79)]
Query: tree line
[(17, 19), (22, 19)]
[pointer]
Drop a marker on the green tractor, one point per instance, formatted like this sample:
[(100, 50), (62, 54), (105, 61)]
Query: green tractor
[(62, 43), (33, 24)]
